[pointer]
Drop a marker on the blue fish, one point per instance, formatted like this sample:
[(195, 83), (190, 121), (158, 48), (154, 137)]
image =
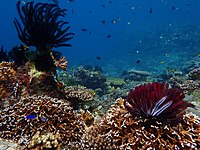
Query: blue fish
[(31, 116)]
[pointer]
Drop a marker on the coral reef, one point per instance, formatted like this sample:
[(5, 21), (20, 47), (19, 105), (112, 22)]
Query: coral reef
[(3, 55), (195, 74), (45, 141), (8, 84), (133, 124), (136, 75), (157, 101), (19, 54), (188, 86), (119, 130), (90, 78), (78, 95), (23, 120), (42, 29), (45, 84)]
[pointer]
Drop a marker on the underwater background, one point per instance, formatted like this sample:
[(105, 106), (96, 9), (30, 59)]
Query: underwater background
[(122, 33), (99, 74)]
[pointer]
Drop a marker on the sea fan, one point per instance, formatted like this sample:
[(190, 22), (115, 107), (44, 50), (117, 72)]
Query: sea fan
[(157, 101), (41, 25)]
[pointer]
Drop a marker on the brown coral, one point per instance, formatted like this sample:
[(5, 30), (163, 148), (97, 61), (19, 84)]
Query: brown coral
[(8, 84), (120, 130), (45, 141), (61, 63), (78, 94), (24, 119), (189, 86), (195, 74)]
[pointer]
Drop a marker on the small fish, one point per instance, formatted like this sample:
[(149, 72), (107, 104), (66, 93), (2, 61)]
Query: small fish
[(98, 58), (72, 11), (188, 5), (138, 61), (31, 116), (69, 1), (150, 10), (90, 32), (103, 6), (103, 22), (173, 8), (114, 21), (84, 30), (176, 36), (108, 36)]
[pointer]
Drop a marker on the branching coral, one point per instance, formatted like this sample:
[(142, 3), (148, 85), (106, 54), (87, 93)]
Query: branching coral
[(24, 119), (128, 126)]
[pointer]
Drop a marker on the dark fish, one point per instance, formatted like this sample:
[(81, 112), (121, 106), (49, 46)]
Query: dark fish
[(173, 8), (177, 35), (110, 2), (84, 30), (188, 5), (31, 116), (138, 61), (108, 36), (150, 10), (69, 1), (90, 32), (90, 11), (103, 6), (72, 11), (103, 22), (98, 58)]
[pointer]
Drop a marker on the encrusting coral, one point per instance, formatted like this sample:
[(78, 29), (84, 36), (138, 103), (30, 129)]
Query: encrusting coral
[(24, 119), (152, 117)]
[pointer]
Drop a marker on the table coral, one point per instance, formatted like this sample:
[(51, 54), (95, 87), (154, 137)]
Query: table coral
[(24, 119)]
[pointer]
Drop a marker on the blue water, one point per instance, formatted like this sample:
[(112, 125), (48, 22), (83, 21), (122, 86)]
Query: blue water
[(141, 29)]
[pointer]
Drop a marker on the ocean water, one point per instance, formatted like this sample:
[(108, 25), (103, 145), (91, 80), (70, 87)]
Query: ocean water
[(124, 34)]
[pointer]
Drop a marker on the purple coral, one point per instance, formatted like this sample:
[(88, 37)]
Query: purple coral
[(157, 101)]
